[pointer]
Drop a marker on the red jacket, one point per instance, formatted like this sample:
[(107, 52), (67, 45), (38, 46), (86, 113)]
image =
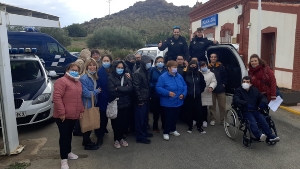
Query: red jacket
[(263, 78), (67, 98)]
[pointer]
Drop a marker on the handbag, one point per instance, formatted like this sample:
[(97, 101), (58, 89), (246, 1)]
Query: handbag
[(91, 118), (112, 107)]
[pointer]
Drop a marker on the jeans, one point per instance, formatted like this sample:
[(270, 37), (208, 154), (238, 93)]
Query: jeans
[(120, 124), (158, 110), (171, 116), (103, 124), (141, 120), (65, 136)]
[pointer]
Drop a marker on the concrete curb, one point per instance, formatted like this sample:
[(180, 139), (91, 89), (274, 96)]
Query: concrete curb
[(290, 110)]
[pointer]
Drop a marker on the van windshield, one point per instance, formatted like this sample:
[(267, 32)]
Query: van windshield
[(25, 70), (148, 52)]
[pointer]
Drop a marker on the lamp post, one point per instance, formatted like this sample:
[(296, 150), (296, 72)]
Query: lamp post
[(259, 29)]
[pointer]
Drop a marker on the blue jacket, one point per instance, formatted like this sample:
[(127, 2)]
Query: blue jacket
[(102, 83), (87, 90), (167, 83), (154, 74)]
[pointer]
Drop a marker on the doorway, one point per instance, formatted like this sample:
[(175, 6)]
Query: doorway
[(268, 48)]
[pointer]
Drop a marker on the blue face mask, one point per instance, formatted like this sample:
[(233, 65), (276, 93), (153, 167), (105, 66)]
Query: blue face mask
[(148, 66), (106, 64), (160, 64), (119, 71), (204, 69), (90, 72), (73, 73)]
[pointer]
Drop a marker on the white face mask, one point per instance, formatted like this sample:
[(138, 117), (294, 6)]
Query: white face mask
[(246, 86)]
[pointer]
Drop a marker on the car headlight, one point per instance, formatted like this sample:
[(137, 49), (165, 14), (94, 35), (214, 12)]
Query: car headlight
[(41, 98)]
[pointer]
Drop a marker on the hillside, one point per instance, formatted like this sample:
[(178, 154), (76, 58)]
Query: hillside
[(148, 18)]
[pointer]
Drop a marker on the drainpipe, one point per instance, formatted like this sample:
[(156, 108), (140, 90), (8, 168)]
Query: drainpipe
[(259, 29)]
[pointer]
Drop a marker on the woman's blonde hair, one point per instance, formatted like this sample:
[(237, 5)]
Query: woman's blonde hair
[(87, 63)]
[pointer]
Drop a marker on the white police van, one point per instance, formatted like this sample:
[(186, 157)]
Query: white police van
[(32, 86), (152, 51)]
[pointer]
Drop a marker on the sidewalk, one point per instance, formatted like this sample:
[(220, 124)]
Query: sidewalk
[(292, 109)]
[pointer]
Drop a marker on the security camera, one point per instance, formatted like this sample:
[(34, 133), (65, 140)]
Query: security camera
[(236, 7)]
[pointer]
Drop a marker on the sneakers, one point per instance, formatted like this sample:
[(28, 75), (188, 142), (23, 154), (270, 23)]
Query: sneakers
[(276, 139), (212, 123), (64, 164), (175, 133), (263, 138), (123, 143), (194, 122), (189, 130), (204, 124), (117, 144), (72, 156), (201, 130), (166, 137)]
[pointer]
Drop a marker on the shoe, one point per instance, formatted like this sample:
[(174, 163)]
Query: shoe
[(149, 135), (87, 143), (117, 144), (201, 130), (143, 140), (91, 146), (99, 142), (175, 133), (189, 130), (64, 164), (72, 156), (263, 138), (156, 130), (77, 134), (204, 124), (194, 122), (166, 137), (123, 143), (212, 123), (276, 139)]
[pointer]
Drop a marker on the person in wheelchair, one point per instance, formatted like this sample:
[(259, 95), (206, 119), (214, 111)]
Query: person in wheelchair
[(250, 100)]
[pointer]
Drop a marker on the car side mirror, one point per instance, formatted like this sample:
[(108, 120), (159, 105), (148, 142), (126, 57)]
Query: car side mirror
[(52, 73)]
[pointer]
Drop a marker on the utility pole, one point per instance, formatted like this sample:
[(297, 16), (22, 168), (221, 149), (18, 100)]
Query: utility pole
[(108, 5)]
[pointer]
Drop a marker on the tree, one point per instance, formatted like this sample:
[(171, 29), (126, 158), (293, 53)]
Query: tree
[(112, 38), (59, 34), (76, 30), (159, 37)]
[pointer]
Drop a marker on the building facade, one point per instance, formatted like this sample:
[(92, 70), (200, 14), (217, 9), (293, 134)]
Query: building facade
[(235, 21)]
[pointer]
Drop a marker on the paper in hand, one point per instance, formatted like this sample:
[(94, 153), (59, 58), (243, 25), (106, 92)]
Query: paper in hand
[(274, 104)]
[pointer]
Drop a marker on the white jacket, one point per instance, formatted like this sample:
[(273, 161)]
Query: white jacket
[(210, 81)]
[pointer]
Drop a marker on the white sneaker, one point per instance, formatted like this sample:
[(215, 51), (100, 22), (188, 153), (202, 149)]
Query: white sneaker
[(175, 133), (72, 156), (166, 137), (276, 139), (194, 122), (263, 137), (64, 164), (204, 124), (212, 123)]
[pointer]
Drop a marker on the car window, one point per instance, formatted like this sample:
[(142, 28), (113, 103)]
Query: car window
[(53, 48), (61, 50), (149, 52), (139, 52), (25, 70)]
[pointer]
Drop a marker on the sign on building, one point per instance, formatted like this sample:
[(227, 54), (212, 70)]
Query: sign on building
[(210, 21)]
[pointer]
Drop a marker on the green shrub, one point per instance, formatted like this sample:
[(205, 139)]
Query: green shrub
[(61, 35), (121, 53), (76, 30)]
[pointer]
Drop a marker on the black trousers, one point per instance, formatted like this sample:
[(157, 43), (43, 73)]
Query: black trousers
[(120, 124), (158, 110), (194, 104), (204, 112), (65, 136), (77, 128), (131, 118), (141, 119), (171, 115), (103, 124)]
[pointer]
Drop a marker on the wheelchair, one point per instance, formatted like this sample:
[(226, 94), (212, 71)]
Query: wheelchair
[(234, 121)]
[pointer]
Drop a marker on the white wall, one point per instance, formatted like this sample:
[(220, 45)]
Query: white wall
[(284, 79)]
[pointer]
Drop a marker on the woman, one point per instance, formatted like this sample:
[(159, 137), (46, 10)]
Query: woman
[(97, 56), (120, 86), (155, 73), (171, 97), (84, 54), (195, 86), (103, 73), (262, 77), (89, 90), (206, 96), (67, 109)]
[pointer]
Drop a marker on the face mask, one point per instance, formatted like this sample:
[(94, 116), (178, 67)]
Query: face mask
[(90, 72), (73, 73), (160, 65), (106, 64), (204, 69), (254, 66), (148, 66), (194, 69), (245, 86), (174, 70), (119, 71)]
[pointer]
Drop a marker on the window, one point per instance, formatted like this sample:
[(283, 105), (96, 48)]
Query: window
[(227, 38), (61, 50), (53, 48), (25, 70)]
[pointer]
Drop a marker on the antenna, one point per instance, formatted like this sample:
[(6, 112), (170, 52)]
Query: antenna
[(108, 5)]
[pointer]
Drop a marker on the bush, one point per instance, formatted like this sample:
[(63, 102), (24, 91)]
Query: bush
[(121, 53), (76, 30), (59, 34), (159, 37), (113, 38)]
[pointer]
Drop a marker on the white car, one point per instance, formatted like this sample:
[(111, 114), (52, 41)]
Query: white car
[(152, 51)]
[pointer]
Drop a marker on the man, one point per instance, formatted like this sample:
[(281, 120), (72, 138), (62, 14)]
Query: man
[(141, 86), (219, 92), (96, 55), (251, 101), (130, 62), (199, 44), (182, 64), (176, 45), (137, 63)]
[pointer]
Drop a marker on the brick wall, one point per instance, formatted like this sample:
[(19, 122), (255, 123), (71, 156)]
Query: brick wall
[(296, 70)]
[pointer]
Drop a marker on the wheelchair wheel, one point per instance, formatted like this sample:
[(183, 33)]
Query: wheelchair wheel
[(230, 124)]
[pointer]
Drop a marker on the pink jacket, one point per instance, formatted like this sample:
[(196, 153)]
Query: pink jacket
[(67, 98)]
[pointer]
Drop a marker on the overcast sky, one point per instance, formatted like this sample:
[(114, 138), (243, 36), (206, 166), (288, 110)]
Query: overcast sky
[(78, 11)]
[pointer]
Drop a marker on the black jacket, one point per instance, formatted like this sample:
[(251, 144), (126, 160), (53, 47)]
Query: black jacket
[(198, 47), (141, 81), (252, 97), (175, 47), (180, 69), (115, 89), (195, 83), (221, 76)]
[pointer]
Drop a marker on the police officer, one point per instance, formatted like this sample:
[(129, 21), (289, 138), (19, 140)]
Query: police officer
[(176, 45), (199, 44)]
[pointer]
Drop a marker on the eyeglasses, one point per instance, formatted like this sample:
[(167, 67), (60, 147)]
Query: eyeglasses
[(176, 27)]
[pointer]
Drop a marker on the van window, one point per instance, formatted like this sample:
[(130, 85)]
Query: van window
[(54, 49), (148, 52), (25, 70)]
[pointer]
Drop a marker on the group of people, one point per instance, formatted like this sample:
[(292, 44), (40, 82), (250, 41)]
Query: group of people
[(176, 90)]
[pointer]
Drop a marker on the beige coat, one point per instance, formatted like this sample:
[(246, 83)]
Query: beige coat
[(210, 81)]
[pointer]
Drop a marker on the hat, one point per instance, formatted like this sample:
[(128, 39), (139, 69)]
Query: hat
[(200, 29)]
